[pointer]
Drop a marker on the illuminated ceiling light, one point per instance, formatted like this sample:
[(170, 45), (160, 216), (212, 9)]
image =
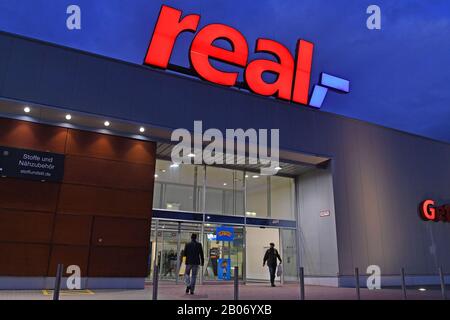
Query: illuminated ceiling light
[(27, 109), (141, 129), (68, 117), (255, 177), (107, 124), (278, 168), (156, 176), (191, 155), (246, 175), (224, 183), (174, 165), (163, 170), (422, 289)]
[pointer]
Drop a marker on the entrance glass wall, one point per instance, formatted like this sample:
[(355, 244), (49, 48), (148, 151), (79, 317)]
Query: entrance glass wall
[(222, 192), (178, 188), (245, 250), (227, 191)]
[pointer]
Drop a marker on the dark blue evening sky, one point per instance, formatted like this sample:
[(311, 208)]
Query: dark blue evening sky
[(400, 75)]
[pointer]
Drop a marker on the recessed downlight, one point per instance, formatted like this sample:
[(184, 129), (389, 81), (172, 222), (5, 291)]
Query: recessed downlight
[(68, 116), (106, 123), (174, 165), (27, 109), (141, 129)]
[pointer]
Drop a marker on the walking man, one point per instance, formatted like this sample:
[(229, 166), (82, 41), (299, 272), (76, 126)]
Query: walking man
[(193, 251), (271, 257)]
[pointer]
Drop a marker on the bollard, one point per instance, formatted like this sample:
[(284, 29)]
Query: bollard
[(236, 283), (358, 291), (155, 282), (403, 283), (443, 289), (302, 283), (59, 272)]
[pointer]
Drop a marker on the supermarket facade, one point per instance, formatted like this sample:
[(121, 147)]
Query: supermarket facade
[(103, 193)]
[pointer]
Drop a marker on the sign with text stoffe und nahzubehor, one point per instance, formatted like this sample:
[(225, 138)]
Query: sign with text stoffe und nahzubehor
[(224, 234), (30, 164)]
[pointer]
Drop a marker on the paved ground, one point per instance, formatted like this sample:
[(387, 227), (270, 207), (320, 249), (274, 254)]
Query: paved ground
[(168, 291)]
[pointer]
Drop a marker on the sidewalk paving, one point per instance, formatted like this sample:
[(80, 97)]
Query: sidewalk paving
[(169, 291)]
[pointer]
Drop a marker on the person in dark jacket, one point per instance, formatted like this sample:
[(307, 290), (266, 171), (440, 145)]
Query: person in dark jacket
[(270, 258), (193, 251)]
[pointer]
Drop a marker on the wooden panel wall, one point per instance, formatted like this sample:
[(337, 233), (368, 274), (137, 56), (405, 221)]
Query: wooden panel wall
[(98, 217)]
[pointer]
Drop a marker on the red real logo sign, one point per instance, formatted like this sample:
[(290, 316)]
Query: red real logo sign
[(292, 75)]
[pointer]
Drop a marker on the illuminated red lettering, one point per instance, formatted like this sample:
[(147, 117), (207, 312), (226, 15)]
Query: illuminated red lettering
[(168, 28), (283, 70), (292, 76), (427, 211), (303, 71), (203, 49)]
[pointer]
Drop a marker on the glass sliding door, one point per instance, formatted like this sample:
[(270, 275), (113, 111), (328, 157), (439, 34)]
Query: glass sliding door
[(167, 242), (289, 254), (167, 254), (258, 240)]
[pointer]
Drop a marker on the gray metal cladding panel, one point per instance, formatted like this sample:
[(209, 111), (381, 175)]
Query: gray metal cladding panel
[(317, 234), (355, 222), (327, 133), (5, 54), (327, 226), (343, 235), (58, 79), (89, 90), (145, 95), (23, 73), (368, 163), (407, 175)]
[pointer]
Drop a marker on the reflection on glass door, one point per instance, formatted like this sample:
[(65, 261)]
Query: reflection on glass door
[(222, 256), (167, 243), (289, 252), (168, 254)]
